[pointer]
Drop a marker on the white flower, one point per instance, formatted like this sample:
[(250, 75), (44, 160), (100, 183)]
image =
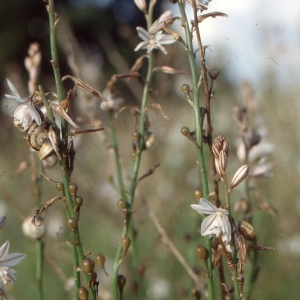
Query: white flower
[(26, 112), (6, 261), (154, 41), (217, 222)]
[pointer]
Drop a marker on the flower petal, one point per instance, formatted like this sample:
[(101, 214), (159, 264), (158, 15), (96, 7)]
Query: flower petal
[(14, 91), (11, 260), (210, 225), (143, 34), (4, 249)]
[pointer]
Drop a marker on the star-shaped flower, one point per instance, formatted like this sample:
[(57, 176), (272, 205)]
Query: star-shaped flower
[(26, 112), (6, 261), (217, 222), (154, 41)]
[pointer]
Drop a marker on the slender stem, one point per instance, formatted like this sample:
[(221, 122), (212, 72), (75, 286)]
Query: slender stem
[(117, 156), (77, 251), (198, 129), (114, 283), (37, 181), (53, 21)]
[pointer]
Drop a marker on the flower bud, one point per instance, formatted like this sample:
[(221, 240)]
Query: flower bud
[(141, 4), (60, 187), (239, 176), (122, 204)]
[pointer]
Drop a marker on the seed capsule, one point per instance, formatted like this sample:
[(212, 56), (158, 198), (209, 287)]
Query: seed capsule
[(122, 204), (185, 131), (73, 188), (126, 242), (83, 293), (201, 252), (60, 187), (121, 282), (72, 223), (185, 88), (198, 194), (100, 260), (246, 230), (88, 265)]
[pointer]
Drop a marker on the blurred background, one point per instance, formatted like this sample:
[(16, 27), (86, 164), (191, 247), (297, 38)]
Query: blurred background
[(256, 50)]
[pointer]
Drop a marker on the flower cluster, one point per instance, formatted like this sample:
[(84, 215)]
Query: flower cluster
[(7, 274), (217, 223)]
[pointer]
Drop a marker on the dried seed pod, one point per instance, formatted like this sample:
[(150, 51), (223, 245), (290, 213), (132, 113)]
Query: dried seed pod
[(126, 242), (121, 282), (213, 74), (72, 223), (150, 140), (88, 265), (83, 293), (100, 260), (201, 252), (196, 294), (246, 230)]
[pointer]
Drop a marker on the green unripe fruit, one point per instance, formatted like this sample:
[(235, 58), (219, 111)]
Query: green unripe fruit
[(73, 188), (122, 204), (185, 88), (185, 131), (72, 223), (60, 187), (198, 194)]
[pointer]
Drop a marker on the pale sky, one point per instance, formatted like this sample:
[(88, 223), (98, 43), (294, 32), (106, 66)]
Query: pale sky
[(258, 36)]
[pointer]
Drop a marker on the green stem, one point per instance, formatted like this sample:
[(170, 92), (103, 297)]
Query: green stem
[(117, 156), (114, 283), (39, 268), (198, 129), (55, 64)]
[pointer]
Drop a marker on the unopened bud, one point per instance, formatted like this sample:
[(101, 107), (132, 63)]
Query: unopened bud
[(185, 131), (240, 175), (88, 265), (83, 293), (141, 4)]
